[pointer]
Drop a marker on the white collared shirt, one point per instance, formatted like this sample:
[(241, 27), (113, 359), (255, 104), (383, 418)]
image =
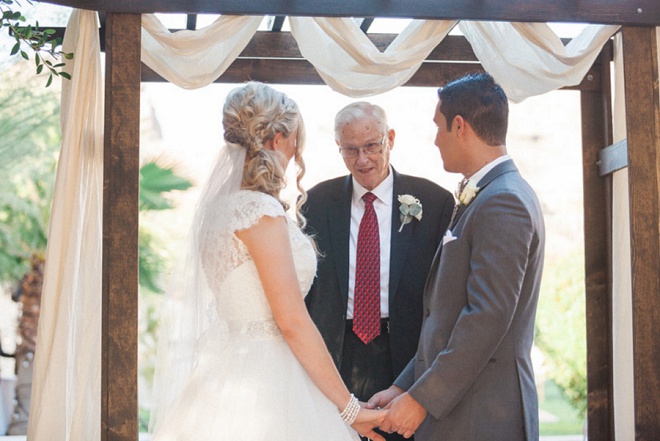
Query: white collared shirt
[(486, 168), (384, 193)]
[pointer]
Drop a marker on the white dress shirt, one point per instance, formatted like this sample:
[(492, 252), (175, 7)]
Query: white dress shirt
[(384, 193), (486, 168)]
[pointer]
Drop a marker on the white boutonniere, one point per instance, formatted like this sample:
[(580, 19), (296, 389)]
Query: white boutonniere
[(467, 194), (410, 207)]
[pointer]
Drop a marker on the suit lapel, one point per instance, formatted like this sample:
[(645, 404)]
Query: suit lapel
[(504, 167), (339, 221), (500, 169), (399, 241)]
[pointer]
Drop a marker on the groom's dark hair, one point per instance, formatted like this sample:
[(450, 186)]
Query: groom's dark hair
[(481, 102)]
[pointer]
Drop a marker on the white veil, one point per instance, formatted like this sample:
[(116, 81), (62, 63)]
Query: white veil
[(189, 312), (189, 322)]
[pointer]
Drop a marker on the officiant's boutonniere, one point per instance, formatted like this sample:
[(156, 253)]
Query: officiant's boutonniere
[(469, 192), (410, 207)]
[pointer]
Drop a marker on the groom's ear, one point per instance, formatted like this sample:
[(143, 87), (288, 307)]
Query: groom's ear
[(460, 124)]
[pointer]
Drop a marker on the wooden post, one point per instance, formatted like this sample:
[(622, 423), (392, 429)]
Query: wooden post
[(597, 134), (640, 63), (119, 408)]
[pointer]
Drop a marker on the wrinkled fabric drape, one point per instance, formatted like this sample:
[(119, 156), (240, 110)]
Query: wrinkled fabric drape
[(529, 59), (193, 59), (66, 389), (348, 61), (526, 59)]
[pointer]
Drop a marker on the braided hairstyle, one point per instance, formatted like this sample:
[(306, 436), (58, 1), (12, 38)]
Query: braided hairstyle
[(252, 115)]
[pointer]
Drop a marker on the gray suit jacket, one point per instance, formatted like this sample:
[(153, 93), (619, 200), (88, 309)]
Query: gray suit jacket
[(473, 369)]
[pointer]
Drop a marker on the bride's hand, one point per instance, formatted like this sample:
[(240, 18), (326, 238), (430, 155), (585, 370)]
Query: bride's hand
[(367, 420)]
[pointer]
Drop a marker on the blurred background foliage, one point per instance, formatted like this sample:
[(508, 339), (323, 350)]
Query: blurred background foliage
[(29, 130), (561, 331), (28, 40), (29, 149)]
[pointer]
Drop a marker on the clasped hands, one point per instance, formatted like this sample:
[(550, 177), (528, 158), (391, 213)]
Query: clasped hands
[(391, 410)]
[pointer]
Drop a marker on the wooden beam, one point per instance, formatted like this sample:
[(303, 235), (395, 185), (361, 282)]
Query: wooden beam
[(276, 71), (366, 24), (596, 132), (287, 68), (277, 23), (267, 44), (624, 12), (119, 407), (191, 22), (640, 62), (274, 57)]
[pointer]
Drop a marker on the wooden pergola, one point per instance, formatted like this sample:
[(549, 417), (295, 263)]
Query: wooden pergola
[(273, 56)]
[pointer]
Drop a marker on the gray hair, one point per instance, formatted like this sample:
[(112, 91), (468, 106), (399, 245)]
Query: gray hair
[(357, 111)]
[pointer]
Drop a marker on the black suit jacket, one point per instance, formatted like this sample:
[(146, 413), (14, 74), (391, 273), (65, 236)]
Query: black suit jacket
[(328, 214)]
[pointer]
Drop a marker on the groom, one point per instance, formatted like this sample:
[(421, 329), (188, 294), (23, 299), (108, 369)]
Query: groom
[(471, 378)]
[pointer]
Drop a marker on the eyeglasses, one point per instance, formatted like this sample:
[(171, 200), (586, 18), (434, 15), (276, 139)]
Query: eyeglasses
[(372, 148)]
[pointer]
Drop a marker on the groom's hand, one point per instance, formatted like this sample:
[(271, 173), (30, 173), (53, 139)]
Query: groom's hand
[(383, 398), (366, 421), (404, 416)]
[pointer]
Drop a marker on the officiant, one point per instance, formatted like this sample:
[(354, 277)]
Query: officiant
[(376, 231)]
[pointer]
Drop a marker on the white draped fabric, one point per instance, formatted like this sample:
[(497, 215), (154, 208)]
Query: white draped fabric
[(529, 59), (193, 59), (526, 59), (349, 62), (66, 388)]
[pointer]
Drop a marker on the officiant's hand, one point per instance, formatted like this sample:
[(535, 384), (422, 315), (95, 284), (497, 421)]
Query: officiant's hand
[(367, 420), (383, 398), (404, 416)]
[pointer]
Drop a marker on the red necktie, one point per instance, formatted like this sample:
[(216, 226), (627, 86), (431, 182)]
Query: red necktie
[(366, 301)]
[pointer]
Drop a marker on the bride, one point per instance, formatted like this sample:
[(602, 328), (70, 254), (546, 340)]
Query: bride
[(241, 358)]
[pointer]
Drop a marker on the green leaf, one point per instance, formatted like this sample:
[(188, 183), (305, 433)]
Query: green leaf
[(40, 68), (15, 49), (65, 75), (155, 181), (50, 80), (49, 31), (37, 59), (24, 55)]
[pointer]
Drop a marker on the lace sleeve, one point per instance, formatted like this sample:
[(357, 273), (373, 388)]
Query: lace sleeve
[(220, 249), (250, 207)]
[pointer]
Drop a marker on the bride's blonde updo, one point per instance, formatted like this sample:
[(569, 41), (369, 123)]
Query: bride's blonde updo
[(252, 115)]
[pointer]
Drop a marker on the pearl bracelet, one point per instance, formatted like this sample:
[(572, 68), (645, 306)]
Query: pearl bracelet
[(351, 410)]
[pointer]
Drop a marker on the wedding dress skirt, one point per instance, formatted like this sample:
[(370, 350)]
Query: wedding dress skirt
[(247, 384)]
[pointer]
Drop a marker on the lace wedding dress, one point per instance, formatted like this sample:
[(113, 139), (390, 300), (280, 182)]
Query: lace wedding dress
[(247, 385)]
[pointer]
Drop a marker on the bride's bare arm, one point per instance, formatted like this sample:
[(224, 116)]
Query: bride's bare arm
[(270, 248)]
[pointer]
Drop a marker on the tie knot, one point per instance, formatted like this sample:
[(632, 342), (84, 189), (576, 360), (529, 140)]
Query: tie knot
[(369, 198), (462, 184)]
